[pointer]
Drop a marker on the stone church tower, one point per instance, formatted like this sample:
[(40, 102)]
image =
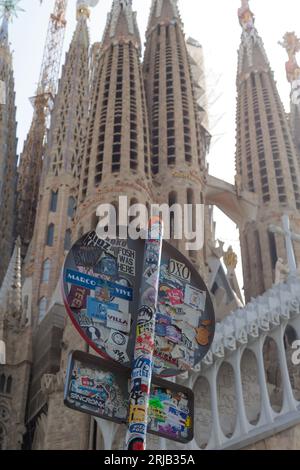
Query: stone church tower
[(177, 157), (15, 330), (120, 128), (266, 160), (29, 175), (52, 236), (291, 43), (60, 176), (8, 151), (117, 153)]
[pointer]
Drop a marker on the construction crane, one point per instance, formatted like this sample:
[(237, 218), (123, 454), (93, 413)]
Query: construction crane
[(31, 160), (52, 52)]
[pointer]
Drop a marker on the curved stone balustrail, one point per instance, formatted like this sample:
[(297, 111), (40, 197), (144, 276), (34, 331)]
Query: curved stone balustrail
[(247, 387)]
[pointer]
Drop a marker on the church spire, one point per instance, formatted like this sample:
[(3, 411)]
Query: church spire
[(60, 176), (121, 24), (8, 9), (4, 32), (252, 54), (71, 100), (8, 140), (163, 11), (291, 43), (266, 159), (11, 290), (117, 147), (175, 133)]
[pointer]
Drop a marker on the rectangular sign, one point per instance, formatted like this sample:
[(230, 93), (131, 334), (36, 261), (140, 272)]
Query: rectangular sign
[(90, 282), (101, 389), (118, 321), (126, 261)]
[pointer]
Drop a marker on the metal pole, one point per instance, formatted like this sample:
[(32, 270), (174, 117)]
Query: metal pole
[(145, 340)]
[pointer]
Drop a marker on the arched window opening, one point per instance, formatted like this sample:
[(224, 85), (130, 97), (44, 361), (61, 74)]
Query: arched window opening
[(42, 309), (46, 271), (2, 352), (50, 235), (2, 383), (68, 240), (172, 201), (9, 385), (71, 207), (53, 201)]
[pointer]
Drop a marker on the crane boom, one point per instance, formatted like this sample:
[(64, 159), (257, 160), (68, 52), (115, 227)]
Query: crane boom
[(53, 49), (31, 160)]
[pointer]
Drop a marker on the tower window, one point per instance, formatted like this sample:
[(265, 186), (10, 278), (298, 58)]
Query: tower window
[(50, 235), (46, 271), (2, 383), (2, 352), (273, 249), (9, 385), (53, 201), (42, 309), (68, 240), (71, 207), (172, 201)]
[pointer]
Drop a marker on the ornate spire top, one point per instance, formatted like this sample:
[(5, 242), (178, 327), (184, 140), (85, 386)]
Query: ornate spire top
[(83, 9), (291, 43), (252, 54), (11, 289), (8, 9), (4, 32), (246, 17), (121, 22)]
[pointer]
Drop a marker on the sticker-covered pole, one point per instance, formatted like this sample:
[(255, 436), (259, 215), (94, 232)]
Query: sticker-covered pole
[(145, 340)]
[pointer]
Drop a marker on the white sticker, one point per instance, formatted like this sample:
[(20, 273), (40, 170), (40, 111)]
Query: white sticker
[(192, 317), (118, 321), (117, 354), (118, 340), (177, 352), (126, 261), (151, 275), (187, 330), (100, 330), (195, 298), (179, 270)]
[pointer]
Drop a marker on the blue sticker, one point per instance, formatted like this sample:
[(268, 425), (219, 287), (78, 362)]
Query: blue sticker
[(90, 282), (163, 319), (160, 330), (107, 266), (98, 310), (142, 368), (138, 428)]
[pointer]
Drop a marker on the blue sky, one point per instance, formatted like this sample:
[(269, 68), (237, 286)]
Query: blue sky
[(213, 23)]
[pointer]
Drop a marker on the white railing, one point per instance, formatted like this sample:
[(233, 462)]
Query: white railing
[(247, 387)]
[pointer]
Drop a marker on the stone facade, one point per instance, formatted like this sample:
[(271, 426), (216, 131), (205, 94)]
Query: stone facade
[(266, 161), (52, 237), (8, 151), (123, 128)]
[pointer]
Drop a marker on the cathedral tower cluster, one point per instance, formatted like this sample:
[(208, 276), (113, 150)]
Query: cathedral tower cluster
[(126, 126), (266, 160), (8, 151)]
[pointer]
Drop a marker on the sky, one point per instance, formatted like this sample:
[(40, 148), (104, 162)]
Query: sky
[(213, 23)]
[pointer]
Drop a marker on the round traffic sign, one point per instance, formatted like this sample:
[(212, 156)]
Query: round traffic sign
[(101, 289)]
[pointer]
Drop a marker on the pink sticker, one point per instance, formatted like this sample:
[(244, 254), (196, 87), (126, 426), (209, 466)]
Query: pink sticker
[(175, 296)]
